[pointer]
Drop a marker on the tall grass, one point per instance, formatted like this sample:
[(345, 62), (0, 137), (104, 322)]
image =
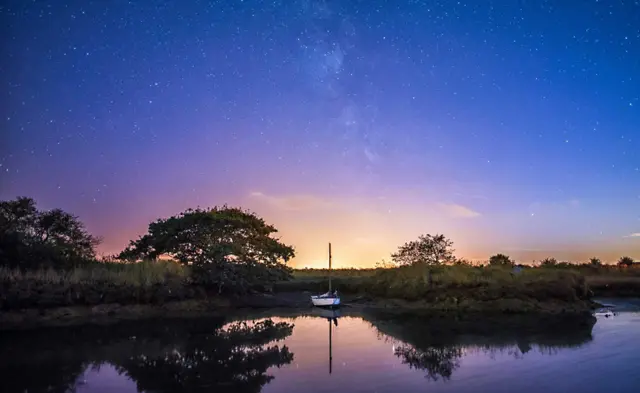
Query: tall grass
[(95, 283), (134, 274), (458, 286), (323, 273)]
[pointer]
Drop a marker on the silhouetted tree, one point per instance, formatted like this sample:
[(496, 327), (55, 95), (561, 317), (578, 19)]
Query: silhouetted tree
[(500, 260), (428, 250), (625, 262), (549, 262), (462, 262), (227, 247), (31, 238), (595, 261)]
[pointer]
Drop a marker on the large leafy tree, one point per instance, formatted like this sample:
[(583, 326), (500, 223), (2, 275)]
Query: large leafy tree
[(226, 246), (428, 250), (32, 238), (500, 260)]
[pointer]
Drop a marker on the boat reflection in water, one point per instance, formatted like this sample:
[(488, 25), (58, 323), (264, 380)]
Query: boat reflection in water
[(332, 316)]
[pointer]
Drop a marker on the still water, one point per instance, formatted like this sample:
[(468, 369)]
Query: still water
[(323, 352)]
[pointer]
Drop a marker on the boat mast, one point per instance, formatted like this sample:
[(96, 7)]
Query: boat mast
[(329, 267)]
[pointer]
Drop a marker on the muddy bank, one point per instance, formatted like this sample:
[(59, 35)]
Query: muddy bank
[(291, 301)]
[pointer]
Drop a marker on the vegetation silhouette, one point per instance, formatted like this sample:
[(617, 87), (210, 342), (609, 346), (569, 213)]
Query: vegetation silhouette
[(626, 262), (32, 238), (48, 260), (173, 356), (226, 247), (500, 260), (427, 250)]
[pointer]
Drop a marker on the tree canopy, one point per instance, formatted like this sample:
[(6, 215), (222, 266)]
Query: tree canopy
[(428, 250), (549, 262), (32, 238), (625, 262), (224, 245), (500, 260)]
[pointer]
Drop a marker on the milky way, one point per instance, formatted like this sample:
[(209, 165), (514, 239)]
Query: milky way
[(510, 126)]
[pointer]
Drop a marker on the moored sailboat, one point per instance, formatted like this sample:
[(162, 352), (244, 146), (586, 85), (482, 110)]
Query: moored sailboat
[(328, 299)]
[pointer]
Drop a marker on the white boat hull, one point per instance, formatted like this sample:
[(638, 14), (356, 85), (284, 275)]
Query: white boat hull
[(320, 301), (604, 313)]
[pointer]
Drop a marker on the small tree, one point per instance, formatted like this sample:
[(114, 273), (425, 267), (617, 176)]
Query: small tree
[(595, 262), (225, 246), (549, 262), (32, 238), (428, 250), (625, 262), (462, 262), (500, 260)]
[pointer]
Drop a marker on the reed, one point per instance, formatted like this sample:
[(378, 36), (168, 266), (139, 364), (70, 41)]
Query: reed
[(94, 283)]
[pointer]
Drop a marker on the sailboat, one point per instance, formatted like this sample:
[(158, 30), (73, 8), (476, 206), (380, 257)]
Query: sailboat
[(329, 299)]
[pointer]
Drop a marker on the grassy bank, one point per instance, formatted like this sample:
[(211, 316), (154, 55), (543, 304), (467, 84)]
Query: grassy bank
[(444, 288), (461, 288), (601, 280), (95, 283)]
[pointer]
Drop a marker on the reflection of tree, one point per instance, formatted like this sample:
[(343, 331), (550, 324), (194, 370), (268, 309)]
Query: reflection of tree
[(435, 344), (165, 356), (234, 359), (52, 377), (437, 362)]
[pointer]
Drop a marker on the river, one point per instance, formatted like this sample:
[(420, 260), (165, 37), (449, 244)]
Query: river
[(319, 351)]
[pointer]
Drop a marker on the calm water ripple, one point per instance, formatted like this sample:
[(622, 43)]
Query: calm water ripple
[(348, 352)]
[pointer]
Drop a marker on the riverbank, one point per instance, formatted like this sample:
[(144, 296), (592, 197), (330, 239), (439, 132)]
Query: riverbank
[(142, 291), (614, 286), (285, 302)]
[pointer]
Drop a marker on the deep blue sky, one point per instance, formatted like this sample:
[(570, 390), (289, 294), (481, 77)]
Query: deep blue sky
[(508, 125)]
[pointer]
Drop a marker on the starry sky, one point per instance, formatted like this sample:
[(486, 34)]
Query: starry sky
[(508, 125)]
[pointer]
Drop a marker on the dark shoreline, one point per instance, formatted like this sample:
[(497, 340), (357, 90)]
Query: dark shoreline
[(289, 302)]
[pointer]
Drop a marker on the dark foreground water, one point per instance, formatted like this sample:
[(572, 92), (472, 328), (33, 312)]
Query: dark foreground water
[(370, 352)]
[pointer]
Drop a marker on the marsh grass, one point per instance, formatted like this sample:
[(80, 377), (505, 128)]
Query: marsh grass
[(455, 287), (94, 283), (135, 274)]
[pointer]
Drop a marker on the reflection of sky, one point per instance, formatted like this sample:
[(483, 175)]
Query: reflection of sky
[(106, 379), (509, 128), (363, 362)]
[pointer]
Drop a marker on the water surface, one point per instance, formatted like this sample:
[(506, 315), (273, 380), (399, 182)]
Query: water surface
[(315, 352)]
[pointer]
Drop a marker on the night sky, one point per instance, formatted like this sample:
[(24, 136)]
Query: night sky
[(510, 125)]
